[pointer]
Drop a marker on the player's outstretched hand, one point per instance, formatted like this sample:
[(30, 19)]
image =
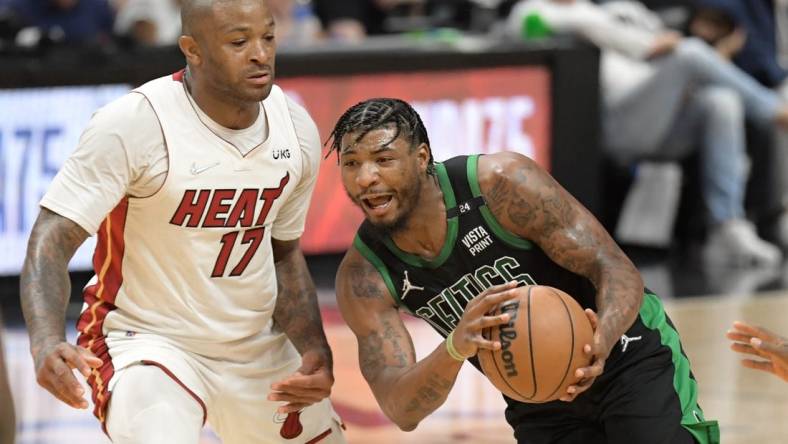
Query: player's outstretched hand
[(598, 351), (310, 384), (467, 336), (758, 341), (54, 364)]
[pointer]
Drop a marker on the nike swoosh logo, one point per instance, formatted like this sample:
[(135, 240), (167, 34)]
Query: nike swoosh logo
[(195, 170)]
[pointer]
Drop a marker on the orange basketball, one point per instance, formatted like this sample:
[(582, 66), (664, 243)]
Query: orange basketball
[(541, 346)]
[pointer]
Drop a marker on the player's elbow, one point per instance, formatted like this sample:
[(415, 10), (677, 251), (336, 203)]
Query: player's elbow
[(408, 427), (405, 422)]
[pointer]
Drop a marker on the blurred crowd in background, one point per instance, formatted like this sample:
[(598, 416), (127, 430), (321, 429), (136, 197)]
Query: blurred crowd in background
[(27, 23), (680, 79)]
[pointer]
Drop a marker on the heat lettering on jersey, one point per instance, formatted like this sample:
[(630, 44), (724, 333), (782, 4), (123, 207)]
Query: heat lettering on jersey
[(226, 208)]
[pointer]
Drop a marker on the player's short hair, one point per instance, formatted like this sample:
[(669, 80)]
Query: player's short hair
[(377, 113), (194, 10)]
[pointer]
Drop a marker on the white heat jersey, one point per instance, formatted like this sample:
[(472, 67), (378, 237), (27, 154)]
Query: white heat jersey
[(193, 262)]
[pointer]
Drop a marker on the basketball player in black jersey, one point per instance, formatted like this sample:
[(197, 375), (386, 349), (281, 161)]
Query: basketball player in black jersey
[(449, 241)]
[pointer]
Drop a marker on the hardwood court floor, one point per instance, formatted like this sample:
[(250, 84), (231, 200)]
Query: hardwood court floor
[(751, 407)]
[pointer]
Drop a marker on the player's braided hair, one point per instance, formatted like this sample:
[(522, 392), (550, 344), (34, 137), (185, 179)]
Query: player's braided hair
[(373, 114)]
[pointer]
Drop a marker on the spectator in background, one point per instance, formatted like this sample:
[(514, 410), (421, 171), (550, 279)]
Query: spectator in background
[(150, 22), (296, 23), (352, 20), (754, 35), (663, 95), (81, 22), (157, 22)]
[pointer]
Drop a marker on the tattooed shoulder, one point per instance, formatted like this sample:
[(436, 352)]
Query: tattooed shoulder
[(523, 197)]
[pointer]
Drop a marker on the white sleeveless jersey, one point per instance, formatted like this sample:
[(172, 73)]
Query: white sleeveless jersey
[(193, 263)]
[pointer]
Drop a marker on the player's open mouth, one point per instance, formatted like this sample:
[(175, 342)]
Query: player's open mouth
[(377, 204)]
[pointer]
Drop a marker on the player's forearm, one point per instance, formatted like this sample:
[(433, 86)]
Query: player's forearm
[(297, 312), (619, 296), (408, 395), (44, 296), (44, 284)]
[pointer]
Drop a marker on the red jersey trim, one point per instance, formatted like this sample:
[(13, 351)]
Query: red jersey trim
[(100, 299)]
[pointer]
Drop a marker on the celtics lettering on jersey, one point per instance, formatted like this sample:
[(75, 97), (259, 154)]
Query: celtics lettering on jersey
[(230, 208), (444, 310)]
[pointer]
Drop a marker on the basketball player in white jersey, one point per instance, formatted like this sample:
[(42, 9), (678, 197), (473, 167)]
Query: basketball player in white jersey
[(202, 308)]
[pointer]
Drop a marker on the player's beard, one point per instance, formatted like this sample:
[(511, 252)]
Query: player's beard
[(408, 199)]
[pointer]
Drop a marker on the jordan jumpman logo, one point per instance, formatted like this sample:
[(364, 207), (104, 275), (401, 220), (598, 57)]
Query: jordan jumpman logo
[(407, 286), (625, 340)]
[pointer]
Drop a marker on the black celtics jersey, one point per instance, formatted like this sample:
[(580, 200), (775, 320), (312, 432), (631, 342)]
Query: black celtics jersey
[(477, 254)]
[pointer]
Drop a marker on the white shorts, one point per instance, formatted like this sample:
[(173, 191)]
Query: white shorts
[(231, 395)]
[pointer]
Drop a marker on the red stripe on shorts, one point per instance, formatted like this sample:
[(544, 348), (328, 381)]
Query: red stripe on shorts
[(185, 387)]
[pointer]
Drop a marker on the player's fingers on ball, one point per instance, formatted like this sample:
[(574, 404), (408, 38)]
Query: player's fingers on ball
[(491, 321), (487, 344), (583, 386), (496, 297), (592, 318), (597, 368), (584, 372), (496, 289), (491, 303), (508, 295)]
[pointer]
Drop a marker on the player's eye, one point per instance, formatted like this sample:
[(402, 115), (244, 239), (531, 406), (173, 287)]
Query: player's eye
[(238, 43)]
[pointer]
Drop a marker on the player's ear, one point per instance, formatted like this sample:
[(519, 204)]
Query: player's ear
[(423, 155), (190, 50)]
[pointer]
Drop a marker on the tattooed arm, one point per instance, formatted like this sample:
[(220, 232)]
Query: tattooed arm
[(531, 204), (7, 414), (407, 391), (298, 315), (45, 289)]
